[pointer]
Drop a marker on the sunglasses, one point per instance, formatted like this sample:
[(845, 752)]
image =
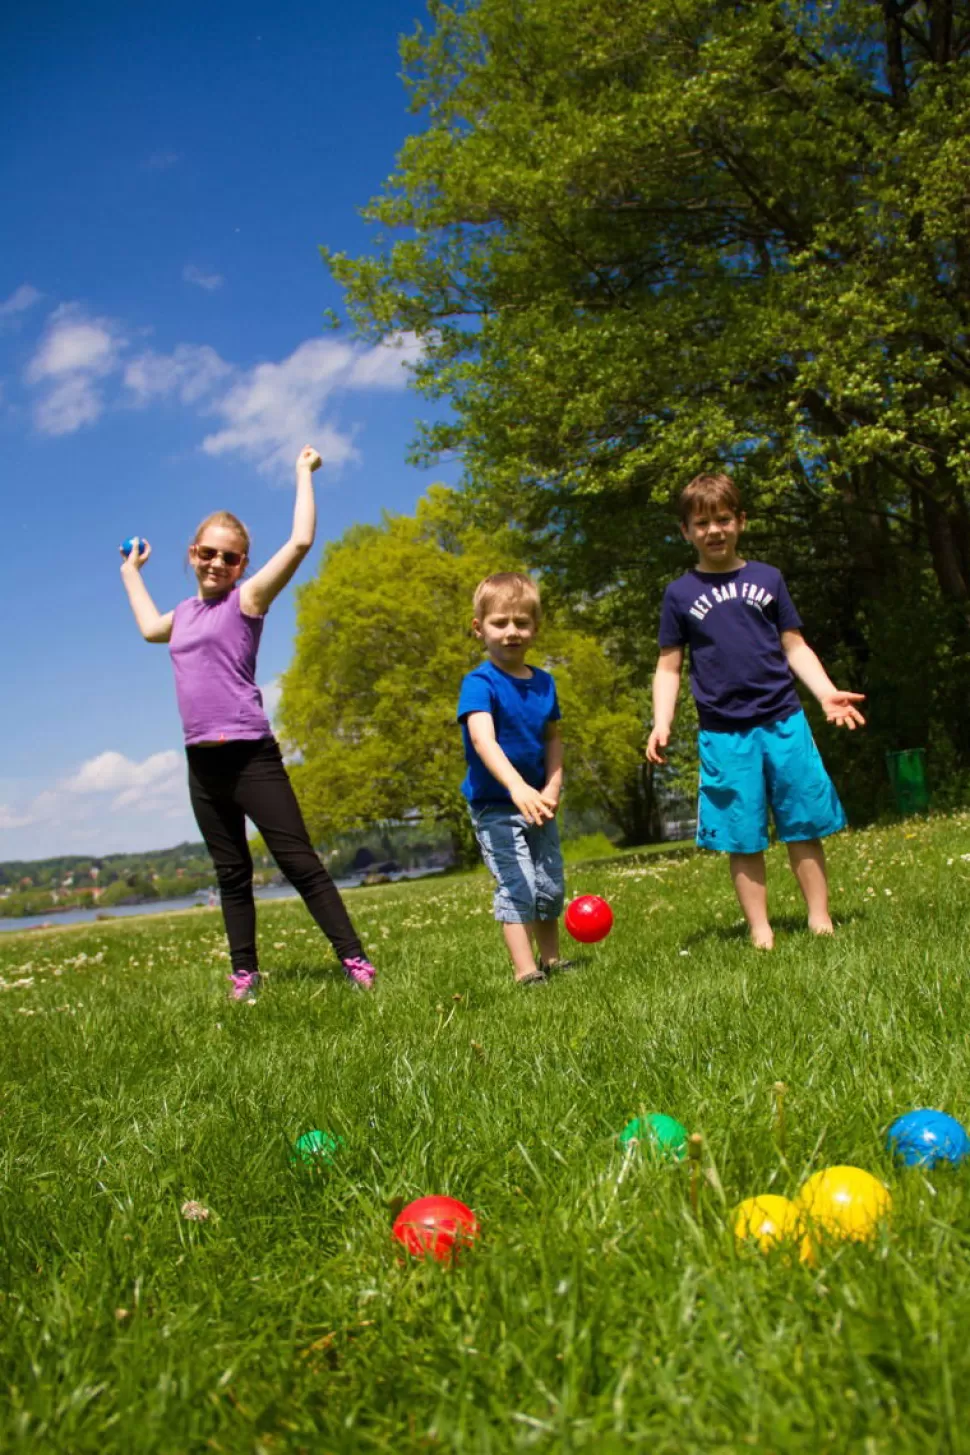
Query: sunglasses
[(209, 553)]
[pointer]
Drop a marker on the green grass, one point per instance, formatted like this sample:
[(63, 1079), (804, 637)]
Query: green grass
[(596, 1313)]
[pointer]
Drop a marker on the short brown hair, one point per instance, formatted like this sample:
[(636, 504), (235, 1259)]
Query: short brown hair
[(511, 586), (710, 491)]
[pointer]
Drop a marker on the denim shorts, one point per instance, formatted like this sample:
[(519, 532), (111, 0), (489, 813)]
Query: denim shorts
[(525, 861), (773, 764)]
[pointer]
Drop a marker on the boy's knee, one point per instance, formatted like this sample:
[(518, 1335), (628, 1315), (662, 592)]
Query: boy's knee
[(550, 899), (515, 903)]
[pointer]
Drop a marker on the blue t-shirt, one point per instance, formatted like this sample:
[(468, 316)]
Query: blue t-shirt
[(732, 623), (520, 707)]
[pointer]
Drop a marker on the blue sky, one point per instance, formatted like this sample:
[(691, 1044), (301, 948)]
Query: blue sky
[(162, 355)]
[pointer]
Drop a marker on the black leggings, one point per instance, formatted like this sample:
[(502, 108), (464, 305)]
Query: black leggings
[(234, 780)]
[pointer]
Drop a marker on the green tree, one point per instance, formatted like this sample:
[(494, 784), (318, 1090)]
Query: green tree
[(383, 641), (639, 239)]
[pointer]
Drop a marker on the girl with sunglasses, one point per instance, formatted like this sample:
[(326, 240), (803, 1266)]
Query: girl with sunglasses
[(235, 766)]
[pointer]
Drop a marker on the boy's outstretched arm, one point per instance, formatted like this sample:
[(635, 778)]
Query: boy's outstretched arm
[(666, 686), (837, 705), (528, 800)]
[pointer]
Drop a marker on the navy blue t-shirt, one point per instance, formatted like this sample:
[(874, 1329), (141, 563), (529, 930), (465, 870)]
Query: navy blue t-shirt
[(521, 707), (732, 623)]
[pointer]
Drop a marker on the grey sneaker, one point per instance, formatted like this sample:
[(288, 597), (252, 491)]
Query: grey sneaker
[(560, 967), (534, 977)]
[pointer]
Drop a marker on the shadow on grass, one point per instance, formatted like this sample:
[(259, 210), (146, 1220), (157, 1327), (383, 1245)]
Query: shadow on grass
[(789, 924), (316, 971)]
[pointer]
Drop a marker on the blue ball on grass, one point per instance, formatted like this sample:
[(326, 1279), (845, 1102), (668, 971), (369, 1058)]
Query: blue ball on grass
[(927, 1138)]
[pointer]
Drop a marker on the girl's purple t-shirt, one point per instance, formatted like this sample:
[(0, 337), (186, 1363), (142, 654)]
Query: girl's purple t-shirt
[(213, 647), (732, 623)]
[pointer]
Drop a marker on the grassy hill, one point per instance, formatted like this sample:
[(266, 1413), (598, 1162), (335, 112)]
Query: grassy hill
[(597, 1312)]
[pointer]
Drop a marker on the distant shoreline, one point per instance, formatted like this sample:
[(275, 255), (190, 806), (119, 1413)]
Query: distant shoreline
[(123, 914)]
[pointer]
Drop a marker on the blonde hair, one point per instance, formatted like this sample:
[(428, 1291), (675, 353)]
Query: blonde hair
[(709, 491), (229, 521), (510, 586)]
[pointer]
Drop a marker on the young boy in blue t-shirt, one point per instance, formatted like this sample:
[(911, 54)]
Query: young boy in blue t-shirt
[(755, 745), (509, 719)]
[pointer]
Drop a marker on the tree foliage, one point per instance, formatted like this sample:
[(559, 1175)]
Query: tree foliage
[(383, 641), (640, 239)]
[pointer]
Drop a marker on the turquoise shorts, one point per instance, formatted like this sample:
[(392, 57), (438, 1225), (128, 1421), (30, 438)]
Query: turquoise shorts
[(775, 764)]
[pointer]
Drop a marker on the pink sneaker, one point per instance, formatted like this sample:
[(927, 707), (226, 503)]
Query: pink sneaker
[(243, 984), (360, 971)]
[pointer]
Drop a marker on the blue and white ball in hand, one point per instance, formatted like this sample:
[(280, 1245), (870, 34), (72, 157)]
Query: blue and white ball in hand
[(133, 543), (926, 1138)]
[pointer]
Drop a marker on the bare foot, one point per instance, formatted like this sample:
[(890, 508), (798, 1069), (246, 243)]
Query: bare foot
[(821, 926), (763, 938)]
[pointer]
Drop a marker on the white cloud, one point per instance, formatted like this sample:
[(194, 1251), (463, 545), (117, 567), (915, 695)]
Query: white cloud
[(110, 804), (160, 161), (190, 372), (271, 695), (10, 819), (111, 771), (19, 301), (265, 413), (209, 281), (73, 343), (73, 358), (68, 406), (385, 366), (274, 409)]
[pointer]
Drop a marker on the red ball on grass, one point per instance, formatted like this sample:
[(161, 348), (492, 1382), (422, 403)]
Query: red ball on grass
[(435, 1227), (589, 919)]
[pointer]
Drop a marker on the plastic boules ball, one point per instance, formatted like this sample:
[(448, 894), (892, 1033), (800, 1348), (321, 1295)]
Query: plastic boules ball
[(315, 1149), (844, 1204), (767, 1221), (133, 543), (589, 919), (662, 1137), (927, 1138), (435, 1227)]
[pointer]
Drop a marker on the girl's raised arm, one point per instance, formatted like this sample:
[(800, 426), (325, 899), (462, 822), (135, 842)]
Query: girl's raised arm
[(258, 593), (153, 625)]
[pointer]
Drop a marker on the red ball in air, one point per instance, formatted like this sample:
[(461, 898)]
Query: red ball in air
[(589, 919), (435, 1227)]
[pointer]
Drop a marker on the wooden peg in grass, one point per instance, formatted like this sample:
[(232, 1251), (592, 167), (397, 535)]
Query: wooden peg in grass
[(779, 1091), (695, 1144)]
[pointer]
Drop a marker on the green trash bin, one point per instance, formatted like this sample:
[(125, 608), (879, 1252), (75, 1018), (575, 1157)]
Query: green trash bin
[(907, 774)]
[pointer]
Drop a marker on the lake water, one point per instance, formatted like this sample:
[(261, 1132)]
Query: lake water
[(162, 906)]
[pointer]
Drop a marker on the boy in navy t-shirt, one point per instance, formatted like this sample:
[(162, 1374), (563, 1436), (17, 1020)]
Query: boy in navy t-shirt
[(509, 719), (755, 745)]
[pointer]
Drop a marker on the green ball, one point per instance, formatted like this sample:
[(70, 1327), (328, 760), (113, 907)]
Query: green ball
[(659, 1136), (315, 1149)]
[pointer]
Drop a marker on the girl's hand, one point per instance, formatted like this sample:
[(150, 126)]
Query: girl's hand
[(135, 559), (308, 459)]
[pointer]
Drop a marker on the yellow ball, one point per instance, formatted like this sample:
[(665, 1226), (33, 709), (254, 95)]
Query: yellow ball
[(767, 1221), (844, 1203)]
